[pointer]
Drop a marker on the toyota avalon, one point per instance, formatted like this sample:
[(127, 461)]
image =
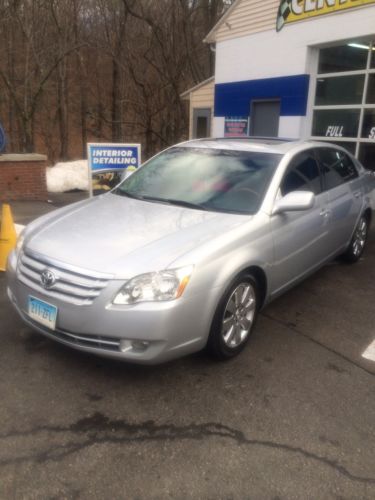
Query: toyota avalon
[(184, 253)]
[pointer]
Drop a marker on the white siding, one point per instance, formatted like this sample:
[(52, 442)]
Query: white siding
[(248, 16)]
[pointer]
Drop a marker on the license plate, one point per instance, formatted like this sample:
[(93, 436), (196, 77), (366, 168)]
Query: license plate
[(43, 313)]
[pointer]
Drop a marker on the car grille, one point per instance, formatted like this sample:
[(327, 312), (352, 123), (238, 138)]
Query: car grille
[(72, 286), (83, 340)]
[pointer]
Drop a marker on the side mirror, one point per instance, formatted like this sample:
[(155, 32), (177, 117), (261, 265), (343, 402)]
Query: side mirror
[(294, 202)]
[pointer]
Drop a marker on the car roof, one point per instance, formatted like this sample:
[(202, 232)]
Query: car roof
[(256, 144)]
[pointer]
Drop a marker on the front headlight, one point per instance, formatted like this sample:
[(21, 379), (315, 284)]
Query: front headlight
[(154, 287)]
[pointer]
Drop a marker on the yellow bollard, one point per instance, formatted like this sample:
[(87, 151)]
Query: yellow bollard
[(8, 236)]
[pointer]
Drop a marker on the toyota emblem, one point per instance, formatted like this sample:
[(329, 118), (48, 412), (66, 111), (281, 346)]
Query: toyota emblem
[(47, 278)]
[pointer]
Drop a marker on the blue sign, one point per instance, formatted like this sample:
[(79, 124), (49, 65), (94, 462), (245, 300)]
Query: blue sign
[(2, 139), (108, 164), (109, 157)]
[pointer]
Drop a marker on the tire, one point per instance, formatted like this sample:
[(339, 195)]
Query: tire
[(234, 318), (358, 241)]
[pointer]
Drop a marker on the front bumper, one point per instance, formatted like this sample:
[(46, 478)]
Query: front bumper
[(167, 329)]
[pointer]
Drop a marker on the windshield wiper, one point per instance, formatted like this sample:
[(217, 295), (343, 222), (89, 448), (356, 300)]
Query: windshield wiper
[(126, 193), (172, 201), (187, 204), (168, 201), (140, 196)]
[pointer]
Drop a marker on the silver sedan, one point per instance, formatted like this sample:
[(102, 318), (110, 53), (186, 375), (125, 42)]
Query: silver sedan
[(184, 253)]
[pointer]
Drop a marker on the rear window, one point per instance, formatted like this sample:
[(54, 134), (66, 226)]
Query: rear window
[(337, 166)]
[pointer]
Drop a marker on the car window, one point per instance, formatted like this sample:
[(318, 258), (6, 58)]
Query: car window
[(338, 168), (302, 175)]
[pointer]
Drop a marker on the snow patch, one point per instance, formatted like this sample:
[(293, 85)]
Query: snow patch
[(66, 176)]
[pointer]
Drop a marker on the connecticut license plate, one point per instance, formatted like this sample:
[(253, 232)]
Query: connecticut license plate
[(43, 313)]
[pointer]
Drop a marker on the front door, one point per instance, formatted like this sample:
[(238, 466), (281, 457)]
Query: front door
[(300, 238)]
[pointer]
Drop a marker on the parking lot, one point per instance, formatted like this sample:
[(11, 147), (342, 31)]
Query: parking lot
[(292, 417)]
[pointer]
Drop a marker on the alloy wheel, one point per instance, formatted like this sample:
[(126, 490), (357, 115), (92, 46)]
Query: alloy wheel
[(238, 315), (359, 238)]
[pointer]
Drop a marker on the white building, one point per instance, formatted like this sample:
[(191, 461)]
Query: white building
[(297, 69)]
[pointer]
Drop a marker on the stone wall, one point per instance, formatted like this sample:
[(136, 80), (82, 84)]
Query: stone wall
[(23, 177)]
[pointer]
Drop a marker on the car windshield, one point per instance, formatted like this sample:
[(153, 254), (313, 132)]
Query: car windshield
[(204, 178)]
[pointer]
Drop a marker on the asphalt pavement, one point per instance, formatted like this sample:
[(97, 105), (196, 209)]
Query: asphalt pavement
[(293, 417)]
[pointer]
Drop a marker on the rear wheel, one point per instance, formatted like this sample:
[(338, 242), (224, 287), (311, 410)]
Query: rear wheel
[(234, 318), (358, 242)]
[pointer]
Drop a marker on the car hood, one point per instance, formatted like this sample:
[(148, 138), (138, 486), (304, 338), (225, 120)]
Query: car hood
[(123, 236)]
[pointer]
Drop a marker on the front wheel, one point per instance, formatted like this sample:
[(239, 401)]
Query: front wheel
[(234, 318), (358, 242)]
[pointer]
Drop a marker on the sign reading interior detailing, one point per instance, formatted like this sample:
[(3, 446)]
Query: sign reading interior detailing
[(291, 11), (108, 162)]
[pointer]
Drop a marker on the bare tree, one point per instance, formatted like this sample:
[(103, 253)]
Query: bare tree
[(79, 70), (33, 63)]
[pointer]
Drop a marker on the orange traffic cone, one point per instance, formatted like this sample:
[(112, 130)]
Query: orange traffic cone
[(8, 236)]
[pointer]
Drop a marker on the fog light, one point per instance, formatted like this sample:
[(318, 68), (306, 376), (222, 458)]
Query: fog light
[(134, 345), (139, 345)]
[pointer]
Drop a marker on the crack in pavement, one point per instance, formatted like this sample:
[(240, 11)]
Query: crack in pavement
[(286, 324), (99, 429)]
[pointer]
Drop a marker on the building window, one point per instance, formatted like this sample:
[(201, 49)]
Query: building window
[(344, 105)]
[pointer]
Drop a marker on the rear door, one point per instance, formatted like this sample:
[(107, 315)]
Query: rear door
[(265, 117), (342, 184), (300, 238)]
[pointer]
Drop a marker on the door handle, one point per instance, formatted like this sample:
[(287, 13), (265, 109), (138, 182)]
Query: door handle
[(324, 213), (357, 194)]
